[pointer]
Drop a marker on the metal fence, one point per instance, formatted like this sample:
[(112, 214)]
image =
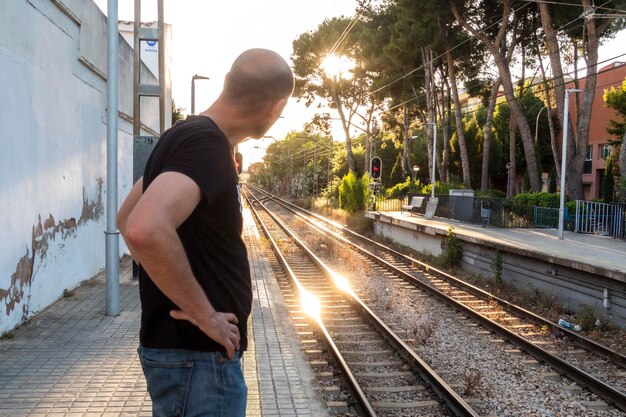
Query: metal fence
[(494, 212), (599, 218), (388, 204), (548, 217)]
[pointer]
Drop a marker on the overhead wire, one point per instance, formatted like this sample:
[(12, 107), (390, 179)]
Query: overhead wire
[(564, 28), (578, 5), (470, 38)]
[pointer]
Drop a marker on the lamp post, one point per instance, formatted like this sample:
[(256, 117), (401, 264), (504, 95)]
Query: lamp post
[(193, 90), (508, 177), (564, 158), (537, 122), (415, 170), (432, 178)]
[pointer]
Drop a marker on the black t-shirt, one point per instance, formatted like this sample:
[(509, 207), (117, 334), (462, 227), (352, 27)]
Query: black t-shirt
[(211, 236)]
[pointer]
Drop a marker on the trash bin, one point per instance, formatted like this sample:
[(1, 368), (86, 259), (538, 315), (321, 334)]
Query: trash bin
[(461, 205), (485, 212)]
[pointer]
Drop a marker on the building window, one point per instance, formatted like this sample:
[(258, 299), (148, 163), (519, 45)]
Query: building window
[(605, 151), (588, 160)]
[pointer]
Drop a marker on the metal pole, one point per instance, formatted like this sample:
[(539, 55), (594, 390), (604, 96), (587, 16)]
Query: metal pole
[(193, 95), (112, 234), (193, 90), (432, 181), (537, 122), (563, 160)]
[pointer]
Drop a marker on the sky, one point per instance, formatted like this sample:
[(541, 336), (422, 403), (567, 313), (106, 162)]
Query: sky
[(208, 35)]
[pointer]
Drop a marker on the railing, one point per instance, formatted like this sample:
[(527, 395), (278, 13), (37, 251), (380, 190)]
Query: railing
[(388, 204), (599, 218), (483, 211), (548, 217)]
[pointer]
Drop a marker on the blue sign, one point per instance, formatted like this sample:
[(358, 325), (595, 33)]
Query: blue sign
[(151, 43)]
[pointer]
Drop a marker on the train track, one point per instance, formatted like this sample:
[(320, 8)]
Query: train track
[(383, 375), (589, 364)]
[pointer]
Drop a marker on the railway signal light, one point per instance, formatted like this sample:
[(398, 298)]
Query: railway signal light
[(376, 167), (238, 162)]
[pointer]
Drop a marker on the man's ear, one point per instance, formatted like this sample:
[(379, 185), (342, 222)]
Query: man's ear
[(278, 107)]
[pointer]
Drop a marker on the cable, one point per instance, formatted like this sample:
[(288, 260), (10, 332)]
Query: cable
[(467, 40), (557, 85), (445, 52), (562, 28), (579, 5)]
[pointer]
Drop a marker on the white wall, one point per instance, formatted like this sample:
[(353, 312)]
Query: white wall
[(53, 149)]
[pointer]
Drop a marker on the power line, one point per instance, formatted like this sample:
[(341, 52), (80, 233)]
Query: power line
[(578, 5), (562, 28), (467, 40), (444, 53)]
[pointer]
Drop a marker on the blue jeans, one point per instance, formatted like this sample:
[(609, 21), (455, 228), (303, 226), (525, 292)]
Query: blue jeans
[(187, 383)]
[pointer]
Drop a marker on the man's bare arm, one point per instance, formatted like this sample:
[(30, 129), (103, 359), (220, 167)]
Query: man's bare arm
[(128, 205), (150, 233)]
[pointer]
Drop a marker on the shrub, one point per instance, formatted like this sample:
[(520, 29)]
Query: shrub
[(442, 188), (587, 318), (497, 267), (352, 191), (492, 193), (401, 189), (454, 250), (608, 181), (536, 199)]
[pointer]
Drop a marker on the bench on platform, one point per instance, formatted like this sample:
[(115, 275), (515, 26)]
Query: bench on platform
[(414, 205)]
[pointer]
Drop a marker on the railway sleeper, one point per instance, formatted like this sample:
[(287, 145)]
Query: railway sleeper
[(405, 405)]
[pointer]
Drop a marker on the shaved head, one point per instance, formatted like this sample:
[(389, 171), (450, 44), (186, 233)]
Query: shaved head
[(258, 77)]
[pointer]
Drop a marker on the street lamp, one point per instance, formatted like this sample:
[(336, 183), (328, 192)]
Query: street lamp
[(432, 179), (508, 177), (537, 122), (416, 170), (193, 90), (563, 159)]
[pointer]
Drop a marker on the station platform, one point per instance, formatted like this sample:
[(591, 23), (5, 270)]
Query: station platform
[(73, 360), (595, 254)]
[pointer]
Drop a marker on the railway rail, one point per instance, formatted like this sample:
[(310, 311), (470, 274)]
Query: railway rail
[(366, 350), (589, 364)]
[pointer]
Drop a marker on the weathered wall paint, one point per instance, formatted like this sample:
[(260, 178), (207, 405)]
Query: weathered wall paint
[(53, 149)]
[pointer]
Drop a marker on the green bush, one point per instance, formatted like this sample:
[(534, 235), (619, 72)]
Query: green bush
[(492, 193), (401, 189), (608, 181), (587, 318), (352, 192), (497, 267), (442, 188), (454, 250), (536, 199)]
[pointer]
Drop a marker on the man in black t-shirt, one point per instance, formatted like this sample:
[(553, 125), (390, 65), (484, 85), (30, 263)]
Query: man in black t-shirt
[(182, 223)]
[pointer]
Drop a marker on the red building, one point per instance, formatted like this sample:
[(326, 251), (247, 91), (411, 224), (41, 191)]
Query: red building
[(598, 150)]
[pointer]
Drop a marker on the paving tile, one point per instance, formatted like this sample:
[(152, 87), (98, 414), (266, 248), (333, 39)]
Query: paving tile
[(72, 360)]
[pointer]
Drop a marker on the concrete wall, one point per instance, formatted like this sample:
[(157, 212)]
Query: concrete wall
[(568, 282), (53, 149)]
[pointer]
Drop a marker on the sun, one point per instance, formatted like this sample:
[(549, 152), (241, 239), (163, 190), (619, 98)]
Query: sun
[(338, 66)]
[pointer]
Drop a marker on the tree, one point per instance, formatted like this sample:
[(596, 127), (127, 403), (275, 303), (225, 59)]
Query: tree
[(388, 47), (608, 182), (488, 137), (597, 23), (397, 172), (500, 46), (615, 98), (178, 113), (314, 80)]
